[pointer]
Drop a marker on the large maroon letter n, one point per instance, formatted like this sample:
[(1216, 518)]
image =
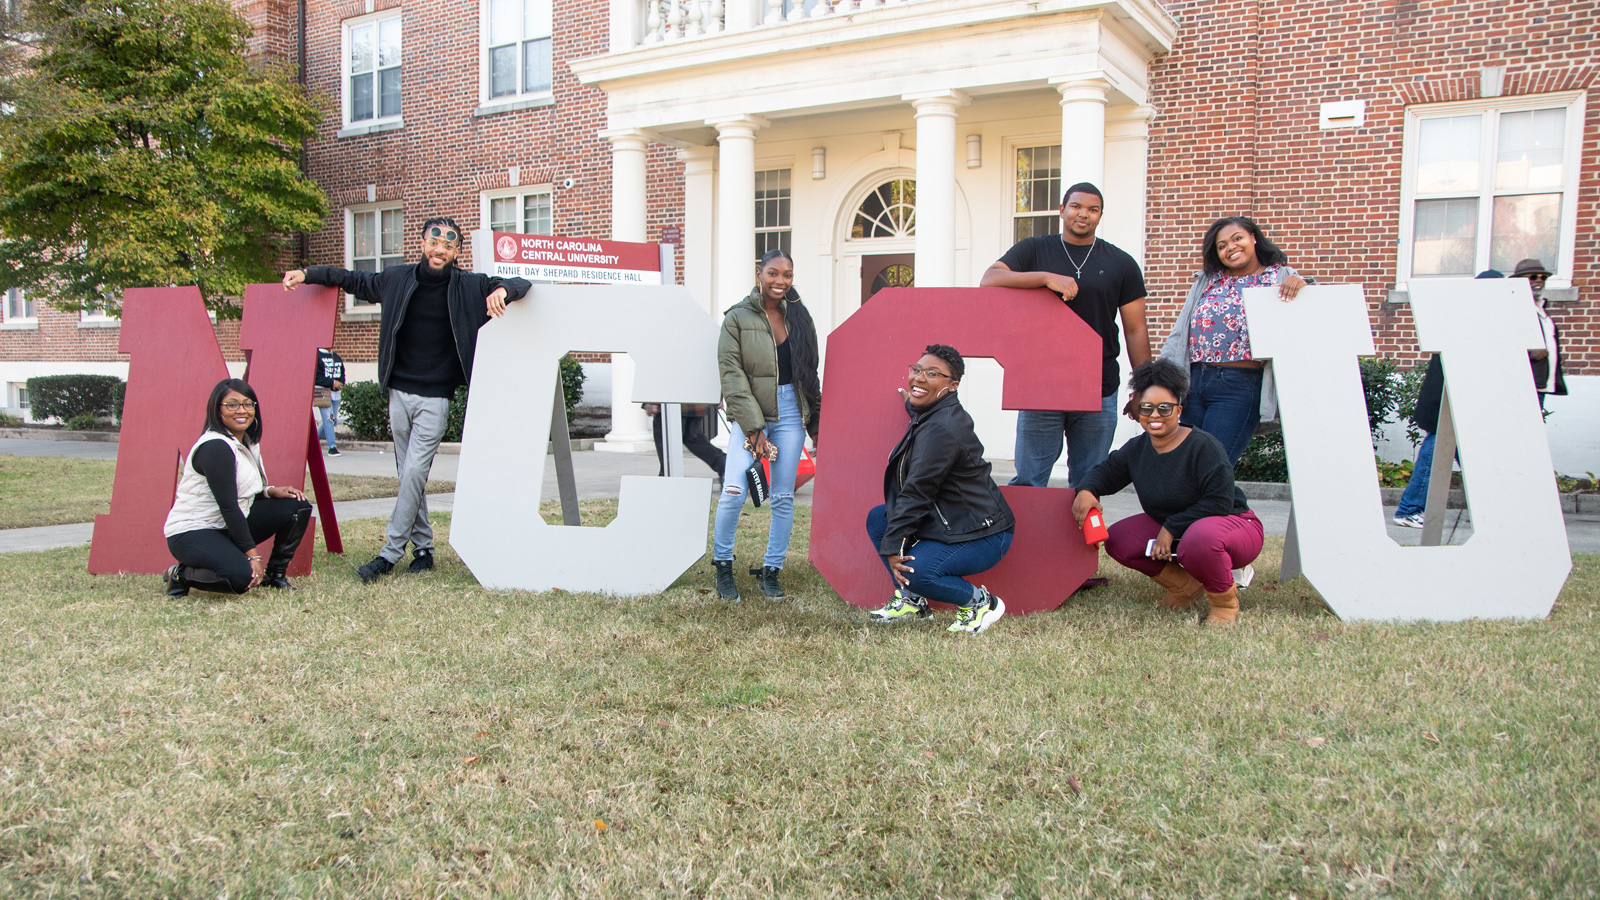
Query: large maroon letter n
[(1052, 361), (174, 362)]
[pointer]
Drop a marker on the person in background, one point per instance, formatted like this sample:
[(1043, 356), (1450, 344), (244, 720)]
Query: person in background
[(1231, 391), (325, 395), (1100, 282), (1548, 374), (699, 427), (427, 336), (1413, 500), (942, 515), (1196, 528), (224, 506), (767, 356)]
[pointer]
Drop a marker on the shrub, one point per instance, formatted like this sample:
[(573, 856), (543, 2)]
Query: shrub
[(572, 379), (82, 422), (1263, 460), (119, 393), (7, 420), (364, 408), (66, 397)]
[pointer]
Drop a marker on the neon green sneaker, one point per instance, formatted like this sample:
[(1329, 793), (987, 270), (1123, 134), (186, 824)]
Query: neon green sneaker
[(902, 606), (976, 618)]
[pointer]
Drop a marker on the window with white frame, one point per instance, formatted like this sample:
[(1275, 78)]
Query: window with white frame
[(372, 69), (374, 239), (19, 308), (1488, 183), (522, 210), (772, 211), (516, 38), (96, 316), (1038, 207), (19, 395)]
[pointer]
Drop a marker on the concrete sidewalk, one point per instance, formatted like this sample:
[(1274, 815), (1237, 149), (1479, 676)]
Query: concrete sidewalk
[(599, 475)]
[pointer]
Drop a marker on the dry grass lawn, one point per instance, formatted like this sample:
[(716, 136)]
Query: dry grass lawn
[(423, 736)]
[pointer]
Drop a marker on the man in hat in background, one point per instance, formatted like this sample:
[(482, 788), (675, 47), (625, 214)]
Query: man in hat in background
[(1548, 377)]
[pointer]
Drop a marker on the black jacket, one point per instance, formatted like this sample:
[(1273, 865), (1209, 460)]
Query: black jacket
[(392, 288), (937, 485)]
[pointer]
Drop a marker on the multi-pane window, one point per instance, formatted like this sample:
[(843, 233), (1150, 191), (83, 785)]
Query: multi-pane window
[(772, 211), (890, 211), (18, 306), (526, 212), (372, 69), (1038, 192), (376, 239), (19, 395), (518, 47), (1489, 184)]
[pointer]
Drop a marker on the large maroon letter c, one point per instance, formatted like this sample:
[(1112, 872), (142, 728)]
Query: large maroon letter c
[(1052, 360)]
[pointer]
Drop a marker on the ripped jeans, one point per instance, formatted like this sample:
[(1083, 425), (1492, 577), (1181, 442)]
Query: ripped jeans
[(789, 434)]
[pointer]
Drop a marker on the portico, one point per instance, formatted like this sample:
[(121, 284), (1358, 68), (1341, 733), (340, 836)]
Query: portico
[(904, 142)]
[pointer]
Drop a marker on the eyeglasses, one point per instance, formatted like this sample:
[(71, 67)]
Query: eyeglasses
[(238, 405), (448, 235), (1157, 409), (916, 370)]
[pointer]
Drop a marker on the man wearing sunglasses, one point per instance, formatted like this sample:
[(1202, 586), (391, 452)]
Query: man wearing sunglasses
[(426, 338)]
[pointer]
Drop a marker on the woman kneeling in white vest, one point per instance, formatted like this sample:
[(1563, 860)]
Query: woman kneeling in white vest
[(225, 507)]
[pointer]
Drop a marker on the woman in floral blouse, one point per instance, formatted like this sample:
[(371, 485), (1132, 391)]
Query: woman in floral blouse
[(1231, 391)]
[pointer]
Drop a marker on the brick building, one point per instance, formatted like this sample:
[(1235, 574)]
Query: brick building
[(1376, 142)]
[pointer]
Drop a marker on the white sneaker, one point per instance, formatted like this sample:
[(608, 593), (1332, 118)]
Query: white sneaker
[(975, 619), (1243, 577), (1414, 520)]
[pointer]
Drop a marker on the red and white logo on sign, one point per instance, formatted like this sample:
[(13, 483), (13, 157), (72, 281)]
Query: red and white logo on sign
[(506, 247)]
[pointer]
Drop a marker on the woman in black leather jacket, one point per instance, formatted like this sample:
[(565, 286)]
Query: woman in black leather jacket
[(942, 516)]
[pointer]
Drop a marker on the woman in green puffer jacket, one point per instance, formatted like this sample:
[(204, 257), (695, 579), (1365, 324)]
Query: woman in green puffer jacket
[(768, 359)]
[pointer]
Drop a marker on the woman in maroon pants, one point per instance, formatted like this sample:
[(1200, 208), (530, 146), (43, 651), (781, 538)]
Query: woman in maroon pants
[(1196, 527)]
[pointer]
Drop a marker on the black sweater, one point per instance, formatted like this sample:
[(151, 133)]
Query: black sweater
[(425, 359), (1177, 488), (214, 460)]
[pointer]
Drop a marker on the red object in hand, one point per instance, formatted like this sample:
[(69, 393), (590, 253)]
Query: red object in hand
[(1094, 527)]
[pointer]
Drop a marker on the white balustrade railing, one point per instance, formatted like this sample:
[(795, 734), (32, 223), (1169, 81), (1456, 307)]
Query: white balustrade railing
[(666, 21)]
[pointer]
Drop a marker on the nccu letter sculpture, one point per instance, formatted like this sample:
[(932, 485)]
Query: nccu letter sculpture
[(1052, 361), (1517, 559), (662, 523), (174, 362)]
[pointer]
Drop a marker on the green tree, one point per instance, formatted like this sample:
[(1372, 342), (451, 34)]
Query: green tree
[(139, 146)]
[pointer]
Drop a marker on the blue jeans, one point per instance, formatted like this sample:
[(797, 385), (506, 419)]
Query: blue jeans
[(1224, 402), (329, 417), (789, 434), (1039, 434), (1416, 493), (939, 565)]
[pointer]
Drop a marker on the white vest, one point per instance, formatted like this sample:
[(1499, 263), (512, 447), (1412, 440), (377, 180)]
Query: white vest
[(195, 508)]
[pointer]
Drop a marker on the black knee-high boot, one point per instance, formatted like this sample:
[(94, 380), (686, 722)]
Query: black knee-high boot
[(283, 548)]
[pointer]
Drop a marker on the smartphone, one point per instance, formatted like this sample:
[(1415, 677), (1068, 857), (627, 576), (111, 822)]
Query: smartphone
[(1150, 548)]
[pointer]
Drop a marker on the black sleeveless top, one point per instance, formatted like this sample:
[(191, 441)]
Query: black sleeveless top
[(785, 368)]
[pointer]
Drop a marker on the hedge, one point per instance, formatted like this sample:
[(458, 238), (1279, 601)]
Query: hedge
[(364, 408), (68, 397)]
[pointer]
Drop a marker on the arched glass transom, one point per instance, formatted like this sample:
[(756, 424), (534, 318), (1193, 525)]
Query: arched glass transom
[(890, 211)]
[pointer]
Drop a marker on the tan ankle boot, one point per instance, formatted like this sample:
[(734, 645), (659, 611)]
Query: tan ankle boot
[(1182, 588), (1224, 606)]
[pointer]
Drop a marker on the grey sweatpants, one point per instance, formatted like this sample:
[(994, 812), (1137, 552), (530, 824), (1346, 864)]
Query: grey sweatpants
[(418, 424)]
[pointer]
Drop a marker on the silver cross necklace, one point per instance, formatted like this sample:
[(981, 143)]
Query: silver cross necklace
[(1076, 265)]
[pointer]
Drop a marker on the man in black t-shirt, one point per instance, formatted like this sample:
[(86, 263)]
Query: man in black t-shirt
[(1097, 281)]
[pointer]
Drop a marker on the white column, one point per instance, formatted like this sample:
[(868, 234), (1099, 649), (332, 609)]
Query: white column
[(736, 207), (1083, 127), (630, 427), (699, 195), (936, 186), (624, 25)]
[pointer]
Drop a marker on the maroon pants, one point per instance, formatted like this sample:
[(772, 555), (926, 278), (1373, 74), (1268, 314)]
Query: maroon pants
[(1210, 549)]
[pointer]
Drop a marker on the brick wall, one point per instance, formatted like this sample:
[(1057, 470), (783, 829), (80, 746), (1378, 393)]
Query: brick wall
[(1236, 134)]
